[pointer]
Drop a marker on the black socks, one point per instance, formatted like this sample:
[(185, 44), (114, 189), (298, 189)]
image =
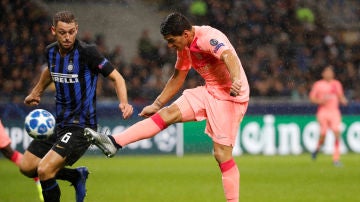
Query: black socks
[(50, 190), (68, 174)]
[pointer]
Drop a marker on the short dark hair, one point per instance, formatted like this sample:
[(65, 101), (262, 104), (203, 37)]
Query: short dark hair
[(64, 16), (174, 24)]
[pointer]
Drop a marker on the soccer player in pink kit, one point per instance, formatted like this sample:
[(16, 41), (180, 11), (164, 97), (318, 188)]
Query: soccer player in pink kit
[(222, 101), (327, 93), (14, 155)]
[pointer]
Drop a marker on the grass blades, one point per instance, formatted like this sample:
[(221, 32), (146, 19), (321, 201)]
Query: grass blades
[(196, 178)]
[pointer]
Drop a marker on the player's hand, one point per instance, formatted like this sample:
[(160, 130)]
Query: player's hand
[(126, 109), (149, 110), (235, 88), (344, 101), (325, 99), (322, 101), (32, 100)]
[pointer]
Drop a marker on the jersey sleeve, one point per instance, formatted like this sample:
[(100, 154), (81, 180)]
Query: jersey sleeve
[(98, 62), (46, 53), (214, 42), (313, 91), (340, 89)]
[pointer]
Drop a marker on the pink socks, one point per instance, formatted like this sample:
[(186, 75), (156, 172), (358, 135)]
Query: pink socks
[(144, 129), (336, 154), (16, 158), (230, 180)]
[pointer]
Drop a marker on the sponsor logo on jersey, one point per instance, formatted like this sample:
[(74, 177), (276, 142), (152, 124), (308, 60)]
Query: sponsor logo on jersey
[(213, 42), (64, 78), (217, 47), (58, 146)]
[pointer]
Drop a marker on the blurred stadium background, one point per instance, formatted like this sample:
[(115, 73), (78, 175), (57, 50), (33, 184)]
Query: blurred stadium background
[(282, 45)]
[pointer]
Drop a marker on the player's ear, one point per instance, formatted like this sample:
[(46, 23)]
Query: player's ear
[(186, 34), (53, 30)]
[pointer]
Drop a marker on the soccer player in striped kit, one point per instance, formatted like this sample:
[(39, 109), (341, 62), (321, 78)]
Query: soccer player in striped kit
[(222, 101), (328, 93), (74, 67)]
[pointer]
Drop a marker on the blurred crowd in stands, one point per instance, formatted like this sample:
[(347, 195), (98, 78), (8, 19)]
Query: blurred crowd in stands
[(282, 44)]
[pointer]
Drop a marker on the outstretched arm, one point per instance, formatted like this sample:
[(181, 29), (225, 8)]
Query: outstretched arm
[(121, 91), (342, 97), (172, 86), (33, 99)]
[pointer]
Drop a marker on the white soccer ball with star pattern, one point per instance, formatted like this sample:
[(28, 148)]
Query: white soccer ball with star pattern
[(40, 124)]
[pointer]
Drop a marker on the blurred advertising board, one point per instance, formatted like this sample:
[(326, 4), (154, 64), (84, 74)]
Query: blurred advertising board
[(270, 134), (278, 135)]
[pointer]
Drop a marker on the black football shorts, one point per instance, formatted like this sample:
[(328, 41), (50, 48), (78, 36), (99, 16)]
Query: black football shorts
[(68, 141)]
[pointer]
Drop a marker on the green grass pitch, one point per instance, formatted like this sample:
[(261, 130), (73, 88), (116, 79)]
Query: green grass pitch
[(196, 178)]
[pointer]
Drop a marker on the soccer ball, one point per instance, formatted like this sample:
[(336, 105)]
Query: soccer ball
[(39, 124)]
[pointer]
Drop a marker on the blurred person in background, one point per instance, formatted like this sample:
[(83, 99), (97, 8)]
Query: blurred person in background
[(328, 93)]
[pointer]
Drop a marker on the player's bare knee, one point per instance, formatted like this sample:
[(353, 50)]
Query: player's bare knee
[(171, 114), (27, 171), (44, 171), (29, 174), (218, 154), (222, 153)]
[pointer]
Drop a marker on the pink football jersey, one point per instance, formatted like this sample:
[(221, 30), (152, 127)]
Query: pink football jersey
[(204, 56), (330, 91)]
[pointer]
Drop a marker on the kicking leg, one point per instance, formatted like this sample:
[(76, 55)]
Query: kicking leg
[(144, 129)]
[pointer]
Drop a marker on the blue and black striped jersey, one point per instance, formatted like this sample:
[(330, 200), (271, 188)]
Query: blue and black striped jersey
[(75, 76)]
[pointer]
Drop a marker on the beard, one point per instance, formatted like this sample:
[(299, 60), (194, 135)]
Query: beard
[(65, 48)]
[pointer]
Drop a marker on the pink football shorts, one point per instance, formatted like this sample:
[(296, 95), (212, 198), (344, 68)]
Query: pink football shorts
[(329, 120), (222, 117)]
